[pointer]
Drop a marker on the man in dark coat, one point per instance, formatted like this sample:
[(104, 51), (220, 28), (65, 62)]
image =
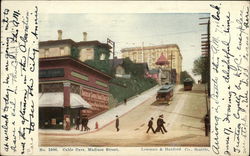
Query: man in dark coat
[(83, 123), (125, 101), (77, 122), (117, 123), (86, 124), (150, 125), (160, 125), (207, 125)]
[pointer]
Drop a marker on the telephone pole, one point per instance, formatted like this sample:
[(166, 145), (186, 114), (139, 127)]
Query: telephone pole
[(205, 50)]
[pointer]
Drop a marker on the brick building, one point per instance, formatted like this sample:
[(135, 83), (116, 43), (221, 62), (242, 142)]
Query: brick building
[(68, 87)]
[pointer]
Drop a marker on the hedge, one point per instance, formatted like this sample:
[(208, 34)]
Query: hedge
[(132, 87)]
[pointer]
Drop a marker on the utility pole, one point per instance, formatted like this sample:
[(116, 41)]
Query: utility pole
[(206, 54), (205, 47)]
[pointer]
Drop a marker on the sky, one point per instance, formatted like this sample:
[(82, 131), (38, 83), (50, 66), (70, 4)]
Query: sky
[(131, 30)]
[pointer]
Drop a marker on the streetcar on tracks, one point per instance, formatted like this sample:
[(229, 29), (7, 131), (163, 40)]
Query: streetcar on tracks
[(188, 84), (165, 94)]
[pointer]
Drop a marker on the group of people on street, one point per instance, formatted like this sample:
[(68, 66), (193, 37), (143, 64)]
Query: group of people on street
[(83, 121), (160, 125)]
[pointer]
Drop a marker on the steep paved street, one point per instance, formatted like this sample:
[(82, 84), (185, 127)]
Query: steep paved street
[(183, 117)]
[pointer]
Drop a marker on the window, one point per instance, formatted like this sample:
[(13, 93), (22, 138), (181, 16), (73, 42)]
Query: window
[(101, 84), (61, 51), (46, 53), (80, 76), (102, 57), (173, 56), (173, 62)]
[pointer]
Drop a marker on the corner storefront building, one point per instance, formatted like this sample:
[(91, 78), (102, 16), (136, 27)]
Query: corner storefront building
[(69, 88)]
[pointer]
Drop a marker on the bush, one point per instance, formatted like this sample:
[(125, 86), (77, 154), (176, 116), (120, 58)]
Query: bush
[(102, 65), (185, 75), (130, 87), (133, 68), (99, 51), (122, 88)]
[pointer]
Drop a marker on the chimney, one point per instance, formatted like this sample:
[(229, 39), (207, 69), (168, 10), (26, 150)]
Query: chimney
[(85, 36), (59, 34)]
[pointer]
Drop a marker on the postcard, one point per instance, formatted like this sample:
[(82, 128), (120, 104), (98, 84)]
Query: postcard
[(124, 78)]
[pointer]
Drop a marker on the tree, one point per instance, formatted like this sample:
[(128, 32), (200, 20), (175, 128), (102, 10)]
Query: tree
[(200, 67), (133, 68), (185, 75), (102, 65)]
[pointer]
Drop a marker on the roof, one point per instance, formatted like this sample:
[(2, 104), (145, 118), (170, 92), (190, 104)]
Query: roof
[(55, 99), (57, 42), (71, 42), (166, 88), (95, 42), (188, 80), (151, 47)]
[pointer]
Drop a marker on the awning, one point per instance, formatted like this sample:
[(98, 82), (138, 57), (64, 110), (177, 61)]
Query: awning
[(55, 99)]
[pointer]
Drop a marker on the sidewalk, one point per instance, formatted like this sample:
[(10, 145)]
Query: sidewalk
[(107, 117)]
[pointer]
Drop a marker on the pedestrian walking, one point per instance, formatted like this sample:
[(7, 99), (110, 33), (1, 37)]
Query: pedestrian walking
[(117, 123), (160, 125), (207, 124), (158, 128), (150, 125), (125, 101), (83, 122), (86, 124), (77, 122)]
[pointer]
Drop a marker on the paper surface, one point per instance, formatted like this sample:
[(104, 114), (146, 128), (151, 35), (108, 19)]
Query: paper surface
[(229, 66)]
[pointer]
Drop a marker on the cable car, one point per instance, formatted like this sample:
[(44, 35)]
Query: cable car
[(188, 84), (165, 94)]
